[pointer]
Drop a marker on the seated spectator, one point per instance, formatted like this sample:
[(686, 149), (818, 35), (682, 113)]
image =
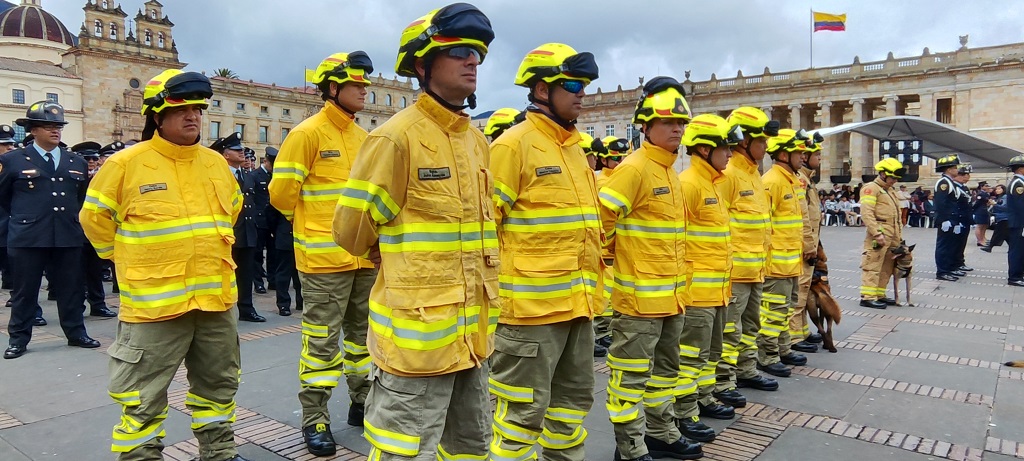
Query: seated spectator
[(847, 207), (916, 211), (832, 209)]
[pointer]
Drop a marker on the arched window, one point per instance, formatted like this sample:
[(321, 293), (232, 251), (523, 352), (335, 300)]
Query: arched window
[(113, 31), (149, 37), (97, 28), (152, 13), (387, 100), (404, 102), (373, 97), (105, 4), (160, 39)]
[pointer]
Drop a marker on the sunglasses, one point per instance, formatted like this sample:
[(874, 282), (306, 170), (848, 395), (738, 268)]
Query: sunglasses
[(463, 52), (572, 86)]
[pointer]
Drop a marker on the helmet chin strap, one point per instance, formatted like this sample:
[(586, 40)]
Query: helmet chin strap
[(335, 99), (551, 113)]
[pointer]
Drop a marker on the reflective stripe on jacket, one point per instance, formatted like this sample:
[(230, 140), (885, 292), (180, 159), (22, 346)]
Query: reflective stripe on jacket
[(786, 244), (880, 211), (749, 218), (707, 237)]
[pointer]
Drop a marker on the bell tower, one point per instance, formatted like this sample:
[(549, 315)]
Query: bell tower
[(104, 25), (153, 30)]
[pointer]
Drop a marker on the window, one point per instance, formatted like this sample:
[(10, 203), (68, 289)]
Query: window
[(629, 133), (944, 110), (264, 110), (215, 103), (160, 39), (373, 97), (590, 131), (403, 103), (387, 100), (286, 112), (240, 106), (113, 31), (284, 133), (240, 129), (97, 28), (214, 130), (105, 4), (19, 132), (134, 83), (52, 97), (152, 13), (263, 133), (373, 121), (18, 96), (609, 130), (149, 38)]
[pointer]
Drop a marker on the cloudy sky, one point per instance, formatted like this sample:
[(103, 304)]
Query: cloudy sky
[(274, 40)]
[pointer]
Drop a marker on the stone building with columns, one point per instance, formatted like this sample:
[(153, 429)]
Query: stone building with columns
[(978, 90)]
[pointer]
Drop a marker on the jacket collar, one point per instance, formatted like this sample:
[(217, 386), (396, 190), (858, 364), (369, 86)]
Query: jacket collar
[(741, 161), (790, 176), (338, 117), (662, 156), (446, 119), (706, 171), (808, 173), (881, 184), (171, 150), (552, 130)]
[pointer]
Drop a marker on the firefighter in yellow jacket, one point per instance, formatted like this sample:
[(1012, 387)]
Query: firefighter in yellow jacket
[(800, 336), (162, 211), (500, 121), (707, 140), (420, 200), (785, 248), (749, 228), (880, 211), (607, 156), (310, 171), (550, 234), (643, 218)]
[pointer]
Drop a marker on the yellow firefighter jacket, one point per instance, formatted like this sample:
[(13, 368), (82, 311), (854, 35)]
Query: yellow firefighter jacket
[(749, 219), (707, 236), (786, 244), (811, 210), (880, 211)]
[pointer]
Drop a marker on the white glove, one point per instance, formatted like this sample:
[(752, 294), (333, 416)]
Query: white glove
[(946, 225), (958, 228)]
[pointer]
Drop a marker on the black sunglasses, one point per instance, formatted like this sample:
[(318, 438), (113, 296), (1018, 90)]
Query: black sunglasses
[(572, 86), (463, 52)]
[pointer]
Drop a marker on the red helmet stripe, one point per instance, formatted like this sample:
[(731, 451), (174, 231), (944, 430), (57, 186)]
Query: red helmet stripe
[(543, 52)]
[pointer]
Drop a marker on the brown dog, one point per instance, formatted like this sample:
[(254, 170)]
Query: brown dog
[(822, 308), (904, 256)]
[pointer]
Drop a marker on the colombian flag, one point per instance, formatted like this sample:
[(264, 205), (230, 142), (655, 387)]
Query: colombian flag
[(826, 21)]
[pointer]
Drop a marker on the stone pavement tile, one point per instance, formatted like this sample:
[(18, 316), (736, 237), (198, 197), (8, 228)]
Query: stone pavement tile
[(944, 375), (1008, 411), (274, 393), (801, 393), (270, 352), (597, 418), (975, 319), (83, 435), (850, 361), (989, 456), (803, 444), (9, 453), (350, 437), (56, 398), (848, 325), (600, 445), (983, 345), (257, 453), (922, 416)]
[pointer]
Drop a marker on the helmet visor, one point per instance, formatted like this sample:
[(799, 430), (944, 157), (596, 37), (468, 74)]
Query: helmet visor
[(618, 145), (966, 168), (659, 84), (735, 136), (769, 129), (359, 60), (188, 86), (462, 20)]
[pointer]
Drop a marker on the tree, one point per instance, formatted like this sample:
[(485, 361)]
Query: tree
[(226, 73)]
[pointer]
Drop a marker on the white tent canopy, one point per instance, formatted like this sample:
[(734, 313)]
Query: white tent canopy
[(938, 140)]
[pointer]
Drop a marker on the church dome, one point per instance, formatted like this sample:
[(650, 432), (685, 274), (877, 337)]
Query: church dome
[(30, 21)]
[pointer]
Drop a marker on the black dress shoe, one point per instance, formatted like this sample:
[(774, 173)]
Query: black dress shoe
[(814, 338), (965, 268), (14, 352), (39, 322), (251, 317), (102, 312), (84, 341), (9, 303), (987, 248), (618, 457), (599, 350), (284, 311), (695, 430), (717, 411), (356, 412), (731, 397), (261, 290), (873, 303), (946, 277), (1016, 283), (319, 440), (759, 382), (776, 369), (888, 301), (680, 449), (958, 273), (793, 359), (804, 346), (605, 341)]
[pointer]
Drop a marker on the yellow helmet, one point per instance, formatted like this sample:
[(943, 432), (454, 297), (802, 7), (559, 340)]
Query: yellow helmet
[(788, 140), (551, 62), (891, 167), (614, 147), (663, 97), (344, 67), (501, 120), (813, 143), (754, 122), (589, 144), (458, 24), (710, 130), (173, 88)]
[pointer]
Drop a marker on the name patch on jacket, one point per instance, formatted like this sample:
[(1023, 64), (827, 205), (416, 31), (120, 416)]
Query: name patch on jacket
[(432, 174), (711, 201), (787, 196), (152, 187), (746, 193), (546, 170), (329, 153), (661, 190)]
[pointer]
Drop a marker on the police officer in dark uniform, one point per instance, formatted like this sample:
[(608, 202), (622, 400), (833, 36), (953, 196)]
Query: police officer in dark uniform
[(7, 143), (947, 215), (43, 187), (92, 264), (283, 272), (966, 212), (264, 234), (244, 249), (1015, 211)]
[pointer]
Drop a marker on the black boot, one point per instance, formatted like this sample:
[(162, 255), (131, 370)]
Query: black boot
[(804, 346), (693, 429), (759, 382), (814, 338), (775, 369), (319, 440), (793, 359), (618, 457), (731, 397), (599, 350), (680, 449), (717, 411), (355, 414)]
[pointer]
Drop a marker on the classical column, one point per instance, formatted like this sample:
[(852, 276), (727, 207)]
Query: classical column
[(890, 104), (828, 149), (860, 155), (794, 116)]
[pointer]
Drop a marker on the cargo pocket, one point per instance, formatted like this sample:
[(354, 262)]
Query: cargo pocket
[(540, 278), (507, 372), (125, 353), (655, 286), (394, 423)]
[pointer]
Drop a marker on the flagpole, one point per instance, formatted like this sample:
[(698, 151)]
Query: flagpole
[(810, 39)]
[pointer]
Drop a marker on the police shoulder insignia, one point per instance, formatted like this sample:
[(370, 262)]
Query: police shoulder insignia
[(661, 190), (1019, 190), (711, 201), (546, 170), (329, 154), (943, 186), (146, 188), (431, 174)]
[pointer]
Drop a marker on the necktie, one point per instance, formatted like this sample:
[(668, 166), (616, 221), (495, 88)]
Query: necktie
[(49, 161), (238, 177)]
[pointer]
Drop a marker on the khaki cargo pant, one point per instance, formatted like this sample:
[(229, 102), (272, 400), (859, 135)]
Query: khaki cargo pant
[(876, 272), (739, 338), (543, 378), (799, 327), (700, 351), (432, 418), (144, 359), (333, 304), (777, 300), (644, 362)]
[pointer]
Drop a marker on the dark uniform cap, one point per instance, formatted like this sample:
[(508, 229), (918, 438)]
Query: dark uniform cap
[(87, 149), (249, 153), (232, 141), (42, 113), (109, 149), (7, 135), (271, 153), (1015, 162)]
